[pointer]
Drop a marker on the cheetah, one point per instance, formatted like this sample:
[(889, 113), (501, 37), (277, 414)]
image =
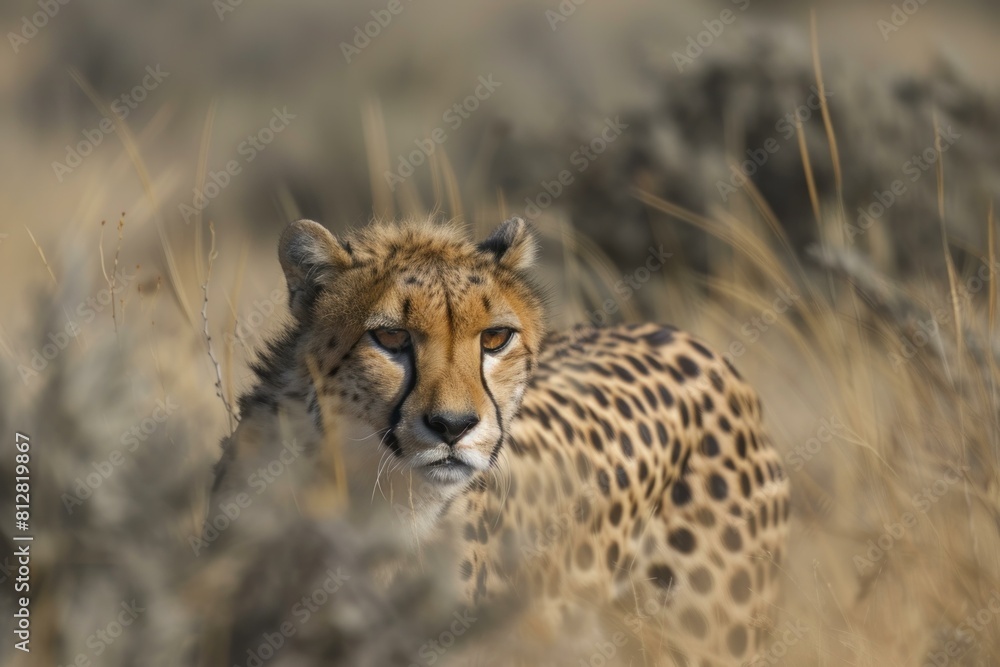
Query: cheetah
[(626, 463)]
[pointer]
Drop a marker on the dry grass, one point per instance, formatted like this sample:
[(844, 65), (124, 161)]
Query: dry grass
[(881, 392)]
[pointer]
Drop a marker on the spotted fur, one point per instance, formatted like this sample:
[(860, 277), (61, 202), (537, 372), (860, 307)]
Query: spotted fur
[(628, 464)]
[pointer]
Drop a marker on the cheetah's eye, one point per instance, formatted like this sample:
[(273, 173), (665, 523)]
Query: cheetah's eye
[(393, 340), (494, 340)]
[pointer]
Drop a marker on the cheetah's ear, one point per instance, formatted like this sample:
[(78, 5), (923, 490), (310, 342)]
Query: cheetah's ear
[(310, 256), (511, 244)]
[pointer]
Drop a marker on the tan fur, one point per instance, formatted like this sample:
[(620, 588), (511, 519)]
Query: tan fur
[(626, 465)]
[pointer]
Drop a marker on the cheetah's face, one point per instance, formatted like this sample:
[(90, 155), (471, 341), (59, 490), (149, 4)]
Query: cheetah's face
[(429, 342)]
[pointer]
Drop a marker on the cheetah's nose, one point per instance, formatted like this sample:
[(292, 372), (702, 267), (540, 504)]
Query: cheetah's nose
[(451, 426)]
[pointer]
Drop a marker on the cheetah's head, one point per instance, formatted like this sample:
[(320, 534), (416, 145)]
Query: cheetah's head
[(421, 335)]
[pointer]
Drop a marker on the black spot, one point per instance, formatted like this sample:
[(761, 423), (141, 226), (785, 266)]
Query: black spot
[(470, 533), (675, 451), (741, 445), (763, 516), (752, 524), (615, 516), (705, 517), (688, 365), (682, 539), (466, 570), (647, 437), (476, 280), (709, 445), (745, 484), (623, 373), (595, 440), (717, 486), (758, 475), (637, 365), (739, 587), (407, 306), (680, 493), (623, 408), (732, 539), (665, 395), (626, 444), (676, 375), (411, 280), (660, 337), (622, 477), (693, 621), (599, 395), (584, 556), (737, 641), (734, 406), (701, 580), (613, 556), (704, 351), (724, 424), (582, 466), (685, 415), (661, 434), (661, 575), (559, 398), (643, 471), (707, 403), (716, 380), (650, 397), (609, 432), (604, 481)]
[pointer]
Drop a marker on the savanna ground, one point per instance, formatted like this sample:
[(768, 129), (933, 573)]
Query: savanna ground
[(129, 223)]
